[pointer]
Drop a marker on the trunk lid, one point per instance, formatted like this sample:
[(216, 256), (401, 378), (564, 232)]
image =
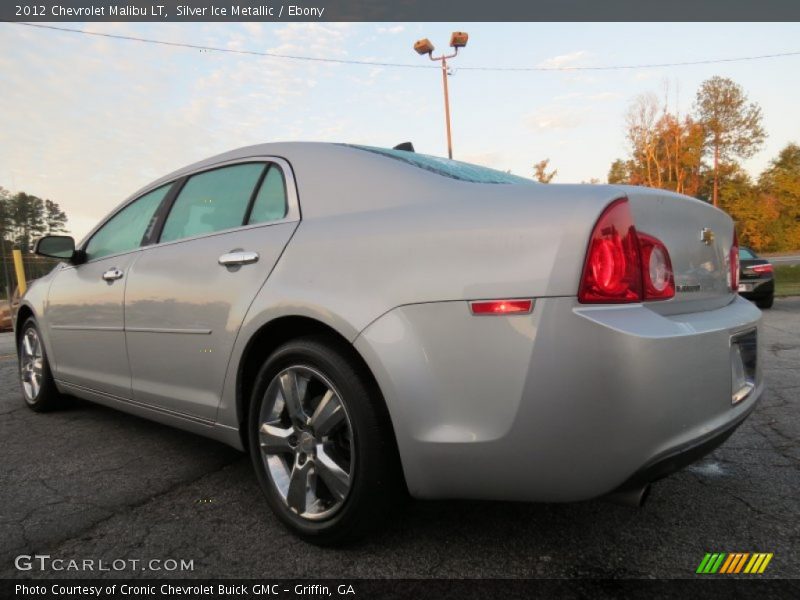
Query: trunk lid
[(698, 238)]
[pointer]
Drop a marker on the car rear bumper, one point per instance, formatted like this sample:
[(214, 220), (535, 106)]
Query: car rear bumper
[(676, 459), (567, 403), (762, 288)]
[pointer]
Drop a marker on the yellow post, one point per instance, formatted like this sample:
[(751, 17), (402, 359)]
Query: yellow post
[(20, 270)]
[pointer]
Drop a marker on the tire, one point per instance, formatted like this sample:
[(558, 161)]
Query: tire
[(36, 379), (329, 469), (766, 302)]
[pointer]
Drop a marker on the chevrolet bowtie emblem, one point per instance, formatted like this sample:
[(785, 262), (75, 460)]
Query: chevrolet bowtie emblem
[(706, 236)]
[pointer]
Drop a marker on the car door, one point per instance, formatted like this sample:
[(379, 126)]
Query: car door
[(187, 294), (85, 307)]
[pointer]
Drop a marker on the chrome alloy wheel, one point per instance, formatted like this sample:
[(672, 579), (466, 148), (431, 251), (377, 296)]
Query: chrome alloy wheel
[(306, 442), (31, 364)]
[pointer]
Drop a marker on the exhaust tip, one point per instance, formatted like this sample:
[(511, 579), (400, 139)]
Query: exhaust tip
[(635, 497)]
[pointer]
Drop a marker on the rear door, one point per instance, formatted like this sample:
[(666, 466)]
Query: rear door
[(188, 293)]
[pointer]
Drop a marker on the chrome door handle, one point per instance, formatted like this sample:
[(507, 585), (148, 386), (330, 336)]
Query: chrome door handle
[(112, 274), (239, 257)]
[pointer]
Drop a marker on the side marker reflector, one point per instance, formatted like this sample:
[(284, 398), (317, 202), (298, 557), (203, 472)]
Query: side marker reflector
[(501, 307)]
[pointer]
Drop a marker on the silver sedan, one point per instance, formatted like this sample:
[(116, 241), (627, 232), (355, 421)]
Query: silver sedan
[(369, 323)]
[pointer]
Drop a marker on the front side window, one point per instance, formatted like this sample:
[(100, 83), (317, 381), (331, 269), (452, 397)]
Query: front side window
[(125, 230), (212, 201)]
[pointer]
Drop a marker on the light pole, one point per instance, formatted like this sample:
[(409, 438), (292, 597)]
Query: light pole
[(424, 46)]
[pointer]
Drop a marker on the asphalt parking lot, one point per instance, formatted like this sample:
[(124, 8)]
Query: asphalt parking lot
[(89, 482)]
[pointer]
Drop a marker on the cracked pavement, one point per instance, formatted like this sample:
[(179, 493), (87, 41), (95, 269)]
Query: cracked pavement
[(90, 482)]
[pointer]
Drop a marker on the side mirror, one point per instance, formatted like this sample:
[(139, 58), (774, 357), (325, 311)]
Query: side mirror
[(56, 246)]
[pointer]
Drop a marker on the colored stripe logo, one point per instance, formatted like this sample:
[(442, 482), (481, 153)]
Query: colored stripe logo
[(734, 562)]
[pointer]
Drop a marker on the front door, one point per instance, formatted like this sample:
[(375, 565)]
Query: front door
[(85, 307), (85, 316)]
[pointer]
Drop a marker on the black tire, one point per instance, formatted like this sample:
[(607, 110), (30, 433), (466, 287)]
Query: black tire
[(766, 302), (375, 481), (46, 397)]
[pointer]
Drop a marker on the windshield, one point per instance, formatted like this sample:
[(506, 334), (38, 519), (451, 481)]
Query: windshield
[(448, 168)]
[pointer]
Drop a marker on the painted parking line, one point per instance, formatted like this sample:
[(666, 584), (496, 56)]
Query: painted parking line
[(7, 356)]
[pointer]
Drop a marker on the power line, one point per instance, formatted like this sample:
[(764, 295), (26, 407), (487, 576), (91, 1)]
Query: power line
[(687, 63), (227, 50), (129, 38)]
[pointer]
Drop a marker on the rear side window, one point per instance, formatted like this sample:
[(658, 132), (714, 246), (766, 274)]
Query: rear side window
[(270, 203), (212, 201), (125, 230)]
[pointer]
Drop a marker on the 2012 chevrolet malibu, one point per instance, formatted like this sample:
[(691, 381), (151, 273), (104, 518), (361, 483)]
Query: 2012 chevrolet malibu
[(370, 322)]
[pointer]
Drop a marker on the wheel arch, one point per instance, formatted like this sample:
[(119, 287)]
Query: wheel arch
[(272, 335), (24, 312), (33, 308)]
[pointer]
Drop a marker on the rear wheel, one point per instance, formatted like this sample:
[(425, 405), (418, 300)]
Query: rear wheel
[(322, 449), (766, 302), (38, 387)]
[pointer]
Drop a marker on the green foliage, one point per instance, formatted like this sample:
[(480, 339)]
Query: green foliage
[(767, 214), (782, 178), (620, 171), (787, 280), (752, 213), (5, 216), (668, 152), (733, 126), (24, 218), (779, 184)]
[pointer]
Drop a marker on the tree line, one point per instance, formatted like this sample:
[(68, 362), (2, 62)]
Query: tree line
[(24, 218), (699, 154)]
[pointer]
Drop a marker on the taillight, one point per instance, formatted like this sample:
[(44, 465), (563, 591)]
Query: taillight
[(734, 263), (623, 265), (659, 283), (612, 273), (762, 269)]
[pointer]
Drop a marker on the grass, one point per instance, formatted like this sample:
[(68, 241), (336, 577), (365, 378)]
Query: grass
[(787, 280)]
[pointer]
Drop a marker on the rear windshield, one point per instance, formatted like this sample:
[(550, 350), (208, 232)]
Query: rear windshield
[(746, 253), (449, 168)]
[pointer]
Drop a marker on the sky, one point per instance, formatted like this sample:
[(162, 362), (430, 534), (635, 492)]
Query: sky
[(85, 121)]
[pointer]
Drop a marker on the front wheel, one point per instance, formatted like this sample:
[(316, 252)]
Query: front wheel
[(38, 387), (320, 441)]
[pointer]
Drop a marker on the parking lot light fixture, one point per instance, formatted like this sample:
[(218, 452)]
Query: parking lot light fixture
[(424, 46)]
